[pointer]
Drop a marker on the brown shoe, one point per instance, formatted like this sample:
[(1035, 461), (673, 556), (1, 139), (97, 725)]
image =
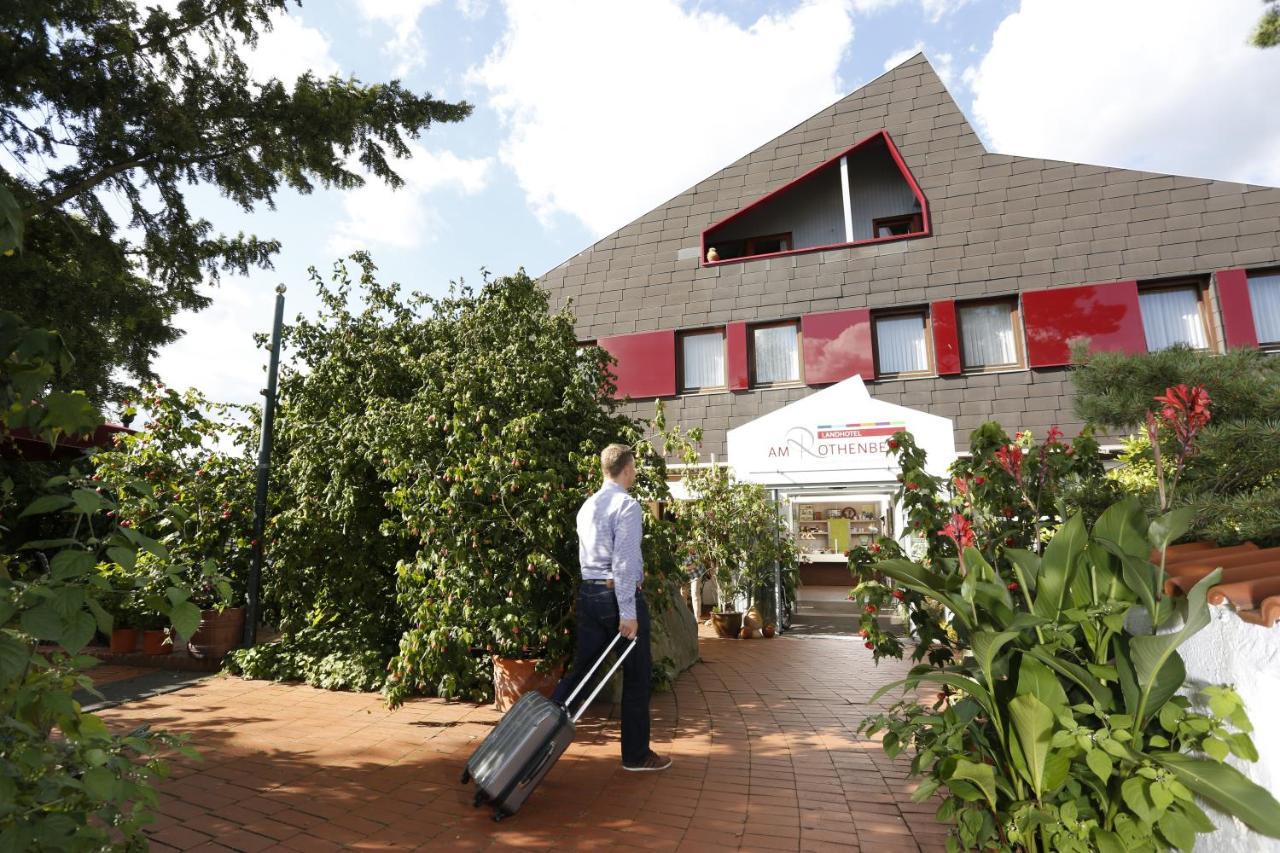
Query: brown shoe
[(652, 761)]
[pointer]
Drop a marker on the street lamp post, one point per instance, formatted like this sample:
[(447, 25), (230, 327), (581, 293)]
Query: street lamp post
[(252, 604)]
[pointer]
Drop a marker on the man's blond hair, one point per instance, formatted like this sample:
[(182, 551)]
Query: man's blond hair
[(615, 458)]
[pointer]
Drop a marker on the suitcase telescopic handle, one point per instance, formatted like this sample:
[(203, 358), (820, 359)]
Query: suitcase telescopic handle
[(583, 681)]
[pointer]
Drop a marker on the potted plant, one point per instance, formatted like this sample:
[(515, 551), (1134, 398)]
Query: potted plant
[(221, 626), (514, 676), (156, 633)]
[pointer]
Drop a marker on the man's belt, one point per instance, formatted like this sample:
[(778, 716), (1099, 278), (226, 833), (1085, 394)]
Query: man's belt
[(607, 583)]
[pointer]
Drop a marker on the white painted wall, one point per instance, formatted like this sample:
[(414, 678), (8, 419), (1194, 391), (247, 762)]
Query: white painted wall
[(1231, 651)]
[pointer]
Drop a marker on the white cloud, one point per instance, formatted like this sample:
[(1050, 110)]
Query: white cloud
[(936, 10), (405, 47), (611, 107), (400, 218), (1164, 85), (289, 50), (942, 62)]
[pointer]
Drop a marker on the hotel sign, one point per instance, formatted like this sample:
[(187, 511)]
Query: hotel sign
[(839, 434)]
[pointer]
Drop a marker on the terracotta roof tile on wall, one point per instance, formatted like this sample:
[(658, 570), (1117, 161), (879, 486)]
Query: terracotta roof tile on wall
[(1250, 577)]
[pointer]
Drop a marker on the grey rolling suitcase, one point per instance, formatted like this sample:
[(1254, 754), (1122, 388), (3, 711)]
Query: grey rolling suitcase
[(526, 743)]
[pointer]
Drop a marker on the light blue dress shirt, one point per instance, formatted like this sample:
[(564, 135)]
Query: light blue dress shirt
[(610, 530)]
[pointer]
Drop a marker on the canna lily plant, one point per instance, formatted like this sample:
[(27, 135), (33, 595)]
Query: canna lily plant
[(1056, 722)]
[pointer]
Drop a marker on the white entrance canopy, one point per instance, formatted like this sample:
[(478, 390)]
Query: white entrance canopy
[(837, 435)]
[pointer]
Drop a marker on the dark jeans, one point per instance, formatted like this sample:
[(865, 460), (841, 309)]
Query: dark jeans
[(597, 626)]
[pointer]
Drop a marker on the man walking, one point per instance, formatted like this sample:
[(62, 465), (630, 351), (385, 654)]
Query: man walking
[(610, 529)]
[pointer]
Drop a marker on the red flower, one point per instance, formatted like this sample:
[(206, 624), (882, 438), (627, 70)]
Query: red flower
[(863, 633), (962, 485), (870, 644), (870, 608), (1010, 459), (1054, 435), (978, 481), (1013, 587), (1185, 411), (893, 445), (911, 487), (874, 547), (959, 531), (898, 594)]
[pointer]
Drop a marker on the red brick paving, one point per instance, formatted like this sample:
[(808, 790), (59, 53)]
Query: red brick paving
[(762, 734), (107, 673)]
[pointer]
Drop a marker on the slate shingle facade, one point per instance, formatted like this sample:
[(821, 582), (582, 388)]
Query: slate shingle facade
[(1001, 225)]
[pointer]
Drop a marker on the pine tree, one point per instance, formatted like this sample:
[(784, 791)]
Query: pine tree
[(1234, 479)]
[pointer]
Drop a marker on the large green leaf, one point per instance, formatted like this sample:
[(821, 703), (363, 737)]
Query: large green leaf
[(185, 617), (1098, 692), (1058, 566), (1124, 524), (981, 775), (925, 582), (46, 504), (1036, 679), (1170, 526), (1156, 676), (71, 563), (44, 622), (986, 644), (1227, 789), (1028, 565), (1033, 726), (950, 679)]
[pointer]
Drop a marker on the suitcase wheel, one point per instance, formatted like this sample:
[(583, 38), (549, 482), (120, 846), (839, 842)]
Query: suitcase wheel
[(479, 799), (466, 776), (499, 815)]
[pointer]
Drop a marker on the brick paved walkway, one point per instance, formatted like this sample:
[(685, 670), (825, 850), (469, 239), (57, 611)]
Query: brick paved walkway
[(761, 732)]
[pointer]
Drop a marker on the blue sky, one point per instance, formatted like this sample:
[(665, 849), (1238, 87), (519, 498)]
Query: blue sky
[(590, 113)]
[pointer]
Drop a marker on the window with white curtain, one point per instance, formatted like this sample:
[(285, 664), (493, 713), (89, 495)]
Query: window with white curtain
[(775, 354), (1264, 293), (1170, 316), (702, 360), (900, 344), (987, 335)]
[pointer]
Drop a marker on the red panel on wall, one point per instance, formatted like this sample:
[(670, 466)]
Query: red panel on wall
[(837, 345), (646, 363), (736, 345), (1237, 308), (946, 337), (1107, 314)]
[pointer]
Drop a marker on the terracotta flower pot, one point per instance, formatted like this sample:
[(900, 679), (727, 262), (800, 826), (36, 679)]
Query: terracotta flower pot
[(514, 677), (727, 625), (218, 633), (124, 640), (153, 642), (768, 631), (752, 619), (746, 633)]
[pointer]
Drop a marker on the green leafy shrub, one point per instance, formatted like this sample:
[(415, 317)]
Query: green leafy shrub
[(66, 782), (1057, 726), (431, 457), (1007, 494), (197, 497), (327, 657)]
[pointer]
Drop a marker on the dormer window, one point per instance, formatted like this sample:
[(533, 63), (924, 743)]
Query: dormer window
[(861, 196)]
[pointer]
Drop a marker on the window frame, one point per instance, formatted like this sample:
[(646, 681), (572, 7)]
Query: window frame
[(931, 364), (914, 222), (1202, 303), (1014, 304), (1267, 346), (681, 334), (752, 381)]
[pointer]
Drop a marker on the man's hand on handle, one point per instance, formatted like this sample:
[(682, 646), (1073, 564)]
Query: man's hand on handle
[(629, 628)]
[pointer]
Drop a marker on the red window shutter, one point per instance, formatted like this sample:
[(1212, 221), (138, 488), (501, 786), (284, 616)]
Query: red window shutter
[(646, 363), (837, 345), (736, 345), (1107, 314), (946, 337), (1237, 309)]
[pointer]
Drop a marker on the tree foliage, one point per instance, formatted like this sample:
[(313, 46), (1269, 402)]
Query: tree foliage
[(1267, 33), (66, 782), (114, 104), (1233, 480), (431, 457)]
